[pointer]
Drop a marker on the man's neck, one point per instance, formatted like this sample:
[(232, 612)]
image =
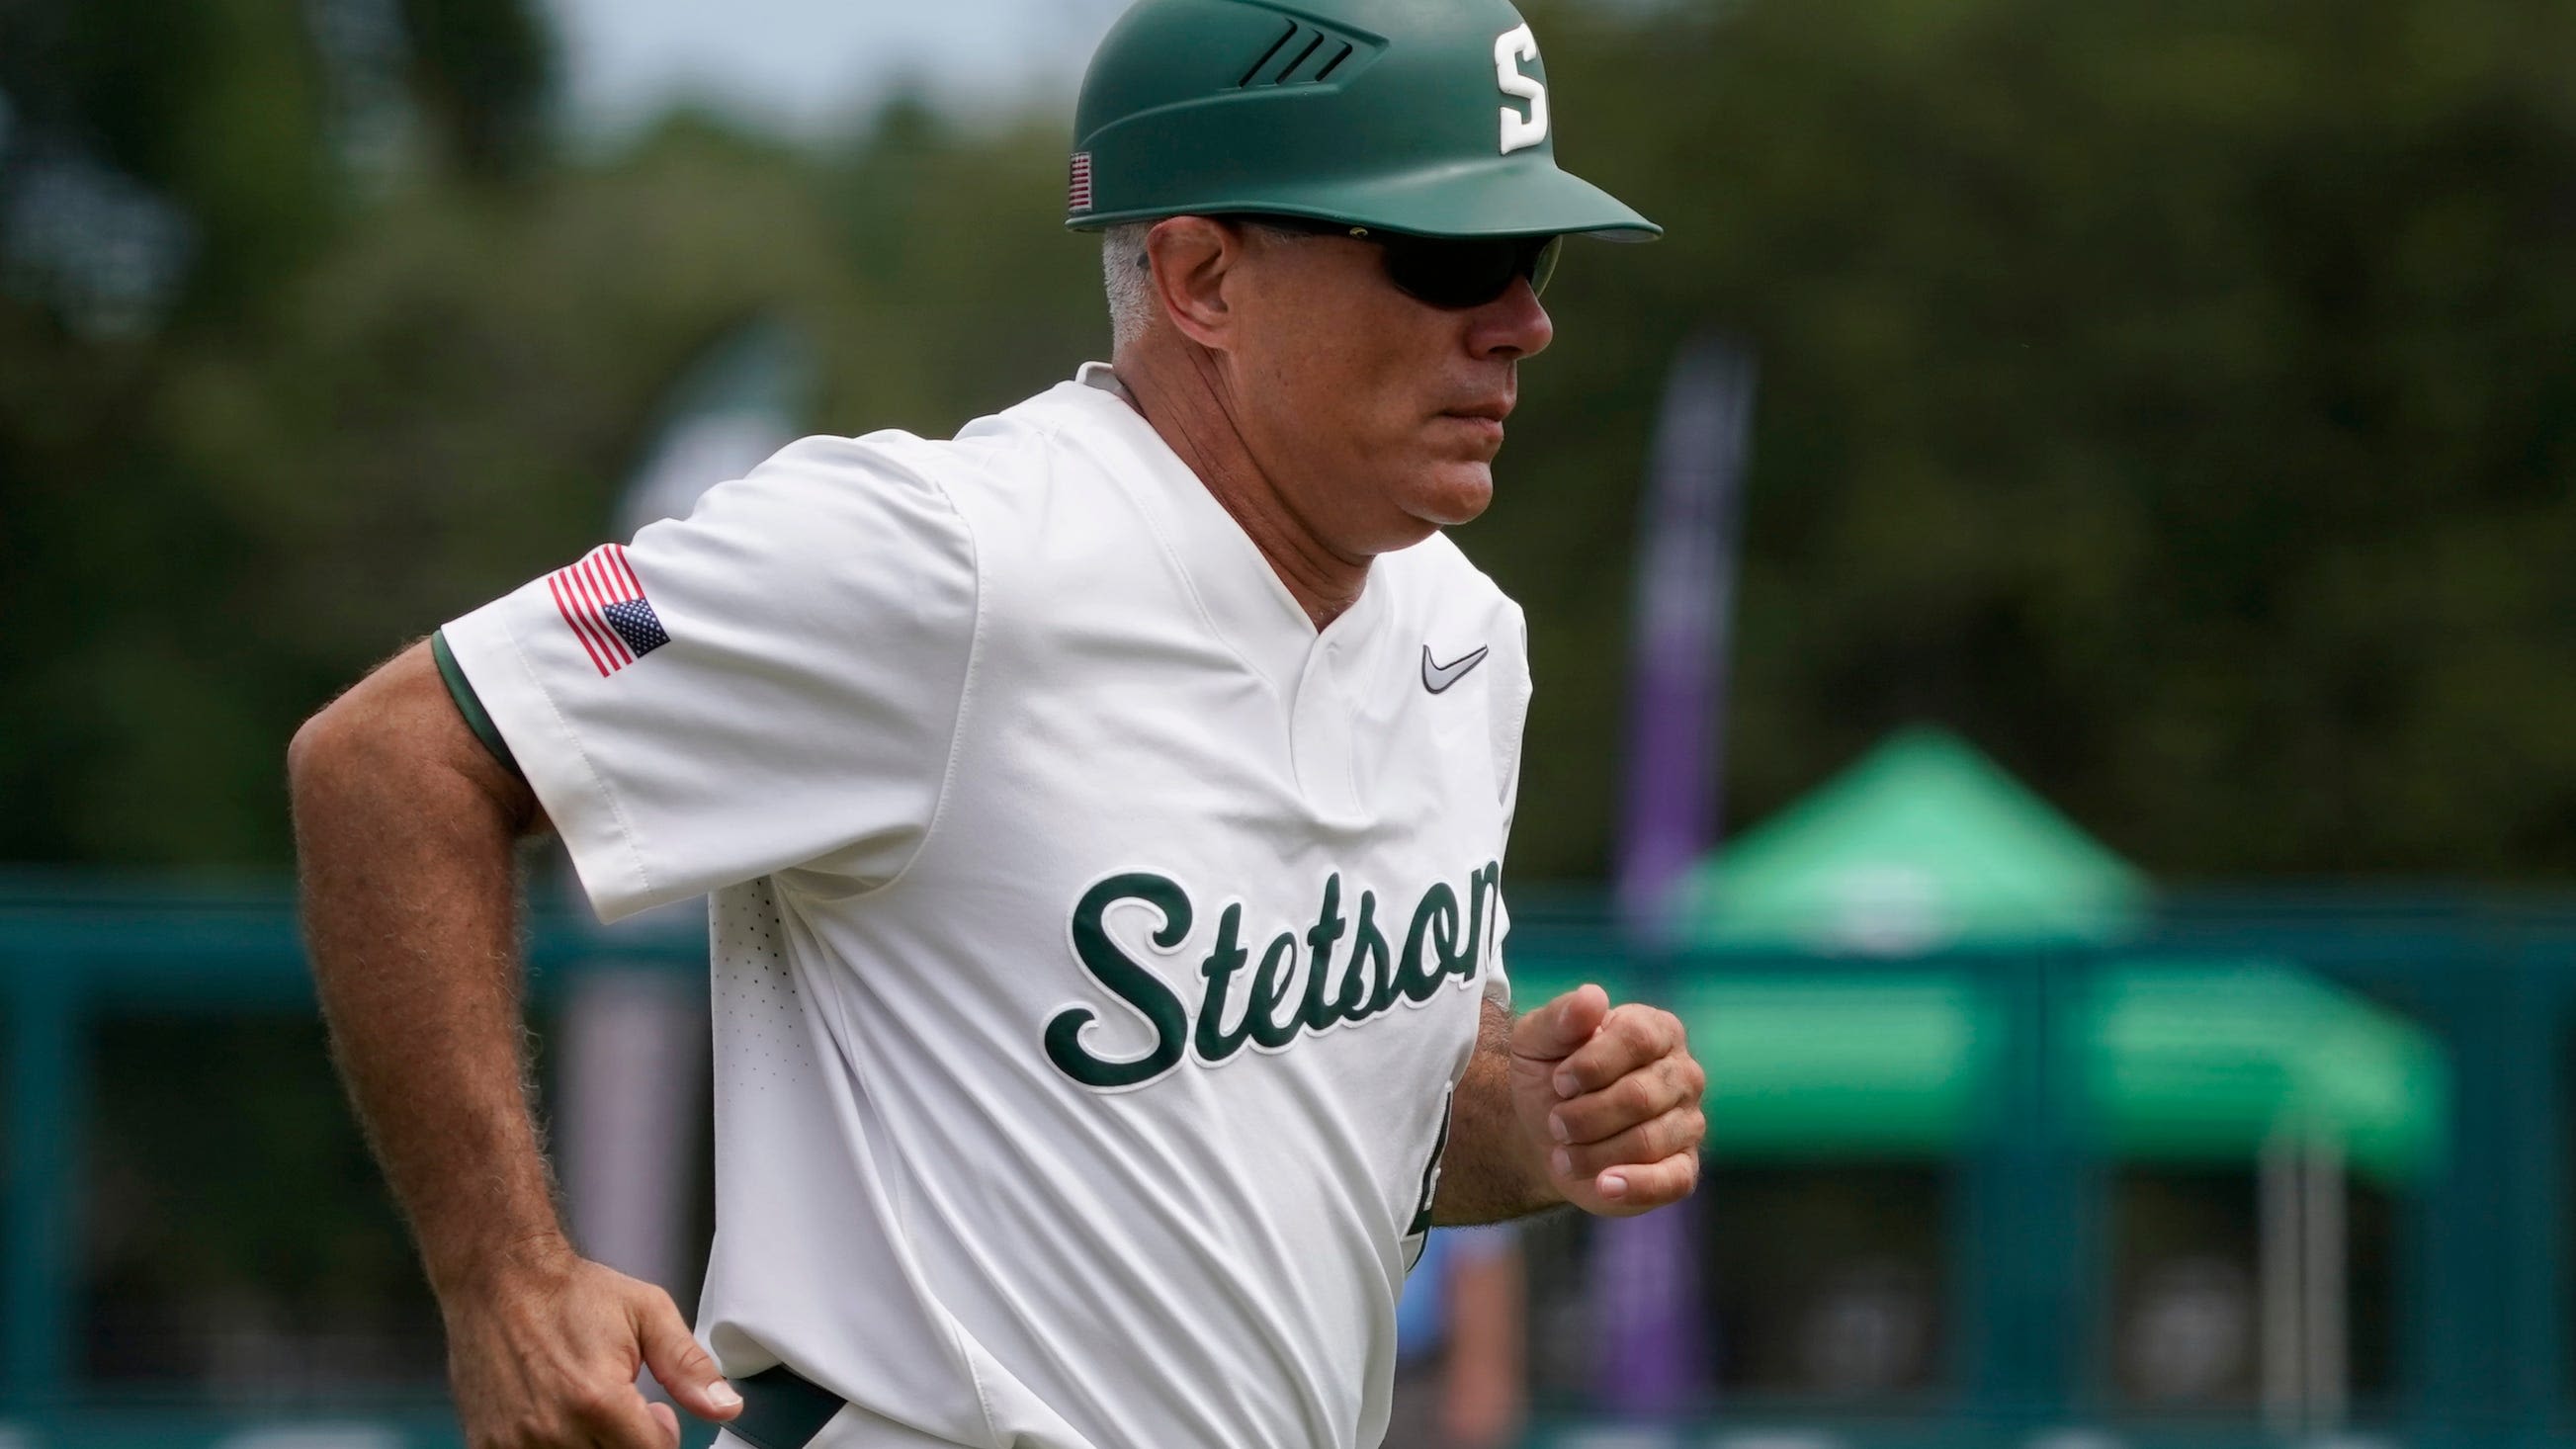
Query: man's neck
[(1186, 402)]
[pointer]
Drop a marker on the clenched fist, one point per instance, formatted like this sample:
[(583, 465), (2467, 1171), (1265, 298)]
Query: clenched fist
[(1611, 1097)]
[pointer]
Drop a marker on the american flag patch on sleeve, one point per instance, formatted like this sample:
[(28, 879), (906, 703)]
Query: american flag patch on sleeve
[(603, 603)]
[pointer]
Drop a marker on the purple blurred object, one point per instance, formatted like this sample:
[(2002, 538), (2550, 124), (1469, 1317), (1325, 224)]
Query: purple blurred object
[(1645, 1272), (1684, 614)]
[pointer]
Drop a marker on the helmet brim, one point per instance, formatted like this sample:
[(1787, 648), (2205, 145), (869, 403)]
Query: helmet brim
[(1492, 198)]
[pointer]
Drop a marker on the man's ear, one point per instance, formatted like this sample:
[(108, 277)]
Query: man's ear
[(1191, 257)]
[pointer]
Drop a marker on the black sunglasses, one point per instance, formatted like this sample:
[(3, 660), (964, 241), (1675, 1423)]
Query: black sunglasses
[(1444, 272)]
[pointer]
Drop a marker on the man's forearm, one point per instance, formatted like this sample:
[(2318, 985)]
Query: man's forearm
[(1491, 1173), (409, 898)]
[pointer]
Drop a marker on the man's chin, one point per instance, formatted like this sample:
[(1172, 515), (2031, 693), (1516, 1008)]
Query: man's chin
[(1457, 493)]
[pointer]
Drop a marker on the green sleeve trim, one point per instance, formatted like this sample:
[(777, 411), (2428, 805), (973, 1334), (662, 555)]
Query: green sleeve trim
[(469, 704)]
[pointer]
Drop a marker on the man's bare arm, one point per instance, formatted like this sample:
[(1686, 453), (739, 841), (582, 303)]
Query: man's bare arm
[(1578, 1102), (406, 833), (1491, 1173)]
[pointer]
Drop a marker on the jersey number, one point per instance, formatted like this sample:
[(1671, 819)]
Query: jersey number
[(1511, 48)]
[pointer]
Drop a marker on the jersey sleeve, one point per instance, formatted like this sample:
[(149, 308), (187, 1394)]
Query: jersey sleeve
[(771, 683)]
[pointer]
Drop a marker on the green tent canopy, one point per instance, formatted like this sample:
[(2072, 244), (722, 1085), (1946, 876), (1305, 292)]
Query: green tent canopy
[(1839, 1067), (2178, 1063), (2190, 1063), (1924, 844)]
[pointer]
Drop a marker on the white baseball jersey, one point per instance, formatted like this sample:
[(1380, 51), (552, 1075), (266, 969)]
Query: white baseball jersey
[(1096, 944)]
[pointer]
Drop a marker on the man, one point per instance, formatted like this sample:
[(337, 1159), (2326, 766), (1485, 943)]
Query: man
[(1460, 1343), (1103, 813)]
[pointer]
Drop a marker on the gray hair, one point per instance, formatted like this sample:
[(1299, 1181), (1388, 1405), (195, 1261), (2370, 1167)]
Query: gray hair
[(1130, 281), (1130, 278)]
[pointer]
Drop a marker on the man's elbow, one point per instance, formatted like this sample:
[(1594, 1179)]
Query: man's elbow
[(367, 741), (305, 751), (319, 752), (395, 747)]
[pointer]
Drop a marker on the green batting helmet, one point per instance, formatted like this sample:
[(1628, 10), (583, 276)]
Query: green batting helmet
[(1421, 116)]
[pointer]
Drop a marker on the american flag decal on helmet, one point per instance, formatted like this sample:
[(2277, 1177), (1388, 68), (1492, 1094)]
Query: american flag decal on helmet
[(1077, 192), (603, 602)]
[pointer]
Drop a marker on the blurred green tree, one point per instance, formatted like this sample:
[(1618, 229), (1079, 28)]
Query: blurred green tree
[(2174, 400), (484, 72)]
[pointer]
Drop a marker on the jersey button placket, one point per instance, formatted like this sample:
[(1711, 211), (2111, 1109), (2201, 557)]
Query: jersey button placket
[(1321, 733)]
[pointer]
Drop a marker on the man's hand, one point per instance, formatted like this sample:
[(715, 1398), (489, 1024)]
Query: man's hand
[(548, 1360), (1610, 1096)]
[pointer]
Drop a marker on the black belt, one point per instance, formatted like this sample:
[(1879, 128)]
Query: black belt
[(782, 1409)]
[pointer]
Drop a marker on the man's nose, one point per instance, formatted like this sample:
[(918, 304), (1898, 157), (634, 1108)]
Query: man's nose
[(1511, 325)]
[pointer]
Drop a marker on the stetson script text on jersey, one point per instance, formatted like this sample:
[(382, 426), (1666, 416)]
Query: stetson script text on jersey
[(1278, 1002)]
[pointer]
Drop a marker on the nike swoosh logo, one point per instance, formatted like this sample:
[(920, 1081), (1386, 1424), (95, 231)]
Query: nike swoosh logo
[(1438, 677)]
